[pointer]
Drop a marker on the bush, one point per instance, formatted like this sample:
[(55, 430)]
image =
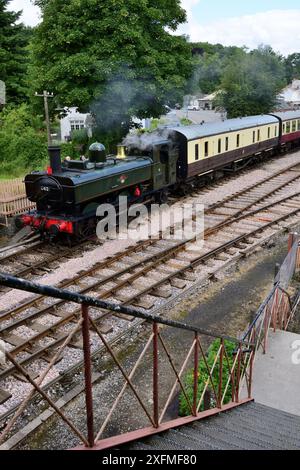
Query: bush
[(69, 149), (184, 409), (23, 143)]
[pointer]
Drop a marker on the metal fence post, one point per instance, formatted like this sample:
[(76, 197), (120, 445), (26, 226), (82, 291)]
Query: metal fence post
[(196, 365), (221, 374), (251, 373), (291, 240), (238, 373), (155, 375), (88, 374)]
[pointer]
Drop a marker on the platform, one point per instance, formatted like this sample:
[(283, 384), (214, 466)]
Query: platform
[(276, 379)]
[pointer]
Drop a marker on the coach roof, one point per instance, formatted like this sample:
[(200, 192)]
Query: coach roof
[(286, 115), (214, 128)]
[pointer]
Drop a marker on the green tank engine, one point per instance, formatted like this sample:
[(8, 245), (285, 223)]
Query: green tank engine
[(68, 193)]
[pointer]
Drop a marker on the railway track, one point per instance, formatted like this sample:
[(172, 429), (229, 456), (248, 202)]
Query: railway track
[(40, 258), (147, 275)]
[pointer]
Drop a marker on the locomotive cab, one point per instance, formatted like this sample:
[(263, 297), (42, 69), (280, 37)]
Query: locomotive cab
[(165, 158)]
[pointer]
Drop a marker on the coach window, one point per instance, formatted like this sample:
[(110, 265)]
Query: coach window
[(298, 124), (254, 137), (275, 131), (238, 140), (226, 144), (197, 152), (283, 129), (288, 127), (258, 135), (219, 145), (206, 149), (269, 132), (294, 126)]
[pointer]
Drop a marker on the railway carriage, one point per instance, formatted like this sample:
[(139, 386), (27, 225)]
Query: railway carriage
[(290, 128), (67, 194), (205, 148)]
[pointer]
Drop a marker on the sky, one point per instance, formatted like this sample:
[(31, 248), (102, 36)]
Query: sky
[(229, 22)]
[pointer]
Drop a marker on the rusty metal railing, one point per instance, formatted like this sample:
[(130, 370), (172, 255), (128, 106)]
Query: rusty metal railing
[(277, 310), (227, 374), (157, 347)]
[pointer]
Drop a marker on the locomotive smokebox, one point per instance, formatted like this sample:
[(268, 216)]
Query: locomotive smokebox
[(55, 158), (97, 153)]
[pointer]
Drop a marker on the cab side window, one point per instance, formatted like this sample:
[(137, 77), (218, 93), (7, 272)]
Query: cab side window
[(164, 155)]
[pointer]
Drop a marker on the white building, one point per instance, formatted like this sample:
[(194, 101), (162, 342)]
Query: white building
[(2, 93), (74, 121), (290, 96), (206, 102)]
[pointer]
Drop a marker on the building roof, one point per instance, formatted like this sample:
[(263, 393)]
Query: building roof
[(208, 97), (212, 128)]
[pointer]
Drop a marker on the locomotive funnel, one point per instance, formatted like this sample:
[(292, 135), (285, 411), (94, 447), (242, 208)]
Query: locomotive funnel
[(55, 159)]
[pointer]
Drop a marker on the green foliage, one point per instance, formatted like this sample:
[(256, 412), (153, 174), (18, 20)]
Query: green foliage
[(185, 121), (292, 64), (80, 136), (203, 376), (69, 149), (115, 57), (251, 82), (209, 64), (22, 142), (14, 39)]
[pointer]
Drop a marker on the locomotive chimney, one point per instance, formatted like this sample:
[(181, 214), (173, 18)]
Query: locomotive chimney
[(121, 151), (55, 159)]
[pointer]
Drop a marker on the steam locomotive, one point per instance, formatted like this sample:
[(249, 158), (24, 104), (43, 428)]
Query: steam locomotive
[(68, 193)]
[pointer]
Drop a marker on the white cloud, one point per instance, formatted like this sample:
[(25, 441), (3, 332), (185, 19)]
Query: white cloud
[(279, 28), (31, 13), (188, 6)]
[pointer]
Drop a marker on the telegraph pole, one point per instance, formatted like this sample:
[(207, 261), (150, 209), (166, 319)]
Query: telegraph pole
[(47, 95)]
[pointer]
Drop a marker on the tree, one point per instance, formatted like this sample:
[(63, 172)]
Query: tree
[(115, 57), (251, 83), (210, 61), (14, 40), (292, 63), (23, 141)]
